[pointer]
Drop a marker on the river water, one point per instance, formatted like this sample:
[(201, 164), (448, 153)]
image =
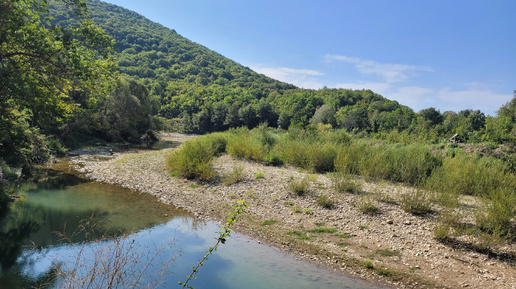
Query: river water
[(159, 247)]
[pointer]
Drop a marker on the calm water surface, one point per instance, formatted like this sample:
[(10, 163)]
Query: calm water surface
[(30, 242)]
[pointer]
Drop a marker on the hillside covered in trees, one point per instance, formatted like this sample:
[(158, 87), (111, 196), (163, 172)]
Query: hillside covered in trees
[(81, 72)]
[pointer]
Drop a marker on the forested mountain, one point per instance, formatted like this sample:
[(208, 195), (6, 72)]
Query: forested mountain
[(209, 92)]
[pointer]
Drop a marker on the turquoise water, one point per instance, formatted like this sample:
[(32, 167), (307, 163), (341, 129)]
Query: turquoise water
[(168, 239)]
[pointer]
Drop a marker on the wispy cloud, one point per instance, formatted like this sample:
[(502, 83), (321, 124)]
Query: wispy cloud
[(446, 99), (486, 101), (389, 72), (305, 78)]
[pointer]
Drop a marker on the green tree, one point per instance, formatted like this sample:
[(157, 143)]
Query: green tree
[(431, 116), (47, 72)]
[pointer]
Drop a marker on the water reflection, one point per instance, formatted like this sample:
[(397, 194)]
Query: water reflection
[(155, 232), (60, 205)]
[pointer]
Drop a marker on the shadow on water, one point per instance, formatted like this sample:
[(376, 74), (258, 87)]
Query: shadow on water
[(60, 204)]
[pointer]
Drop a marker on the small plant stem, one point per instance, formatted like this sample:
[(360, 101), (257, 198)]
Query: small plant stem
[(224, 233)]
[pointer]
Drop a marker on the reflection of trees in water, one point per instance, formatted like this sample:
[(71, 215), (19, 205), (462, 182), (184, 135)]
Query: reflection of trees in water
[(15, 231)]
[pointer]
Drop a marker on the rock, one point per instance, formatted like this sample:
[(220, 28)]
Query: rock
[(389, 221)]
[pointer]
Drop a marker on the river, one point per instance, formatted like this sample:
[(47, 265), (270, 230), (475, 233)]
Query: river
[(159, 247)]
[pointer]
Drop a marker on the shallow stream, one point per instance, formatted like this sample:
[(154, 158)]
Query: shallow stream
[(40, 231)]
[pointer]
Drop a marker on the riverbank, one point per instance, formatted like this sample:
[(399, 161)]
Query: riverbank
[(392, 247)]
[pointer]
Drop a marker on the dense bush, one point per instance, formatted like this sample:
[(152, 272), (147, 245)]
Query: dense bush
[(193, 160), (411, 164)]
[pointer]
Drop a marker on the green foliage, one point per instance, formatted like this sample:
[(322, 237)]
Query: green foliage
[(388, 253), (464, 174), (242, 143), (367, 206), (268, 222), (417, 202), (410, 164), (193, 160), (127, 111), (300, 188), (368, 264), (301, 235), (48, 72), (498, 217), (325, 202), (344, 183), (323, 230), (235, 176)]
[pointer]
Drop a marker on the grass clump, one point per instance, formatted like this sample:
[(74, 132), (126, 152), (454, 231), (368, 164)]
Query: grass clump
[(300, 188), (343, 183), (259, 175), (388, 253), (308, 211), (301, 235), (325, 202), (384, 272), (368, 264), (498, 216), (236, 175), (323, 230), (417, 202), (268, 222), (367, 206), (193, 160), (343, 236)]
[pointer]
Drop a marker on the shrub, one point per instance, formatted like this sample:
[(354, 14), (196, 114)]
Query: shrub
[(236, 175), (411, 164), (193, 160), (499, 214), (471, 175), (294, 152), (242, 145), (367, 206), (343, 183), (368, 264), (325, 202), (349, 158), (300, 188), (417, 202), (322, 157), (218, 142)]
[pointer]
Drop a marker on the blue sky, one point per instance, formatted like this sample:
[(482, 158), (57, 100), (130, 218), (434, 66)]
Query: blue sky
[(447, 54)]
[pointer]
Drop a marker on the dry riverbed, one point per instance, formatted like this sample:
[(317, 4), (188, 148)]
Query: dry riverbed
[(392, 247)]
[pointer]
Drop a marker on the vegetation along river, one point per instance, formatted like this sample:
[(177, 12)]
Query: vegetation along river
[(168, 239)]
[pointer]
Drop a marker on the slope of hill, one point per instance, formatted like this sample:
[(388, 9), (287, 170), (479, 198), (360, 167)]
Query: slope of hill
[(158, 55), (209, 92)]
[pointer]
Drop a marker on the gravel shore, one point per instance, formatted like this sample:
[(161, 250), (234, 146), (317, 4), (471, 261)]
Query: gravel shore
[(399, 248)]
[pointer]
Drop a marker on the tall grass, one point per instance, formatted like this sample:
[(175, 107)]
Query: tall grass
[(446, 174), (411, 164), (194, 159)]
